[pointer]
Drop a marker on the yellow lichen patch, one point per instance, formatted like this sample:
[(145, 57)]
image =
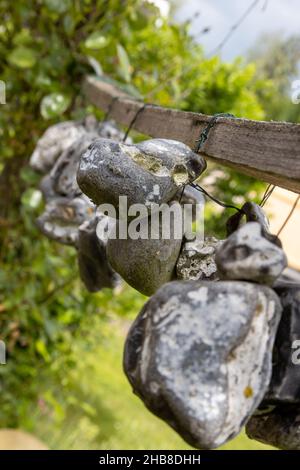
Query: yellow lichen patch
[(180, 175), (147, 162), (248, 392)]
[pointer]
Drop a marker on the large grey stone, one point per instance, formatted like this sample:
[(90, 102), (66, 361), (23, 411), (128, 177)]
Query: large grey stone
[(199, 355), (197, 260), (62, 217), (279, 428), (247, 255), (94, 269), (285, 383), (149, 172), (147, 263)]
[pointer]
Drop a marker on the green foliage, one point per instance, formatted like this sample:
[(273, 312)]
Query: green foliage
[(46, 48)]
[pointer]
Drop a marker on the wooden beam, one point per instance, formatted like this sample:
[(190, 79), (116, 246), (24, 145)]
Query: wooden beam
[(269, 151)]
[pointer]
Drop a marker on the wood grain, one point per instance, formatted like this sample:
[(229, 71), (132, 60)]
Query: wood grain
[(268, 151)]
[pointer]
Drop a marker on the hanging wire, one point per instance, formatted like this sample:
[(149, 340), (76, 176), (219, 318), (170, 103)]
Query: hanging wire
[(110, 107), (217, 201), (133, 121), (204, 134), (267, 194), (233, 28), (289, 216)]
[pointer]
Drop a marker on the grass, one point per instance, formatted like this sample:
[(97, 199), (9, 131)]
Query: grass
[(94, 408)]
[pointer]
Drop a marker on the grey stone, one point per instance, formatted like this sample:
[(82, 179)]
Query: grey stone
[(62, 217), (253, 213), (279, 428), (149, 172), (197, 260), (94, 269), (199, 355), (147, 263), (59, 137), (53, 142), (248, 255), (285, 383)]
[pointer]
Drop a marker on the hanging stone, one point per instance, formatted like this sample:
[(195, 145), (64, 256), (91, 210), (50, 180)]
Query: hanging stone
[(53, 143), (197, 260), (62, 217), (149, 172), (62, 136), (199, 355), (279, 428), (247, 255), (147, 263), (94, 269), (285, 383), (253, 213)]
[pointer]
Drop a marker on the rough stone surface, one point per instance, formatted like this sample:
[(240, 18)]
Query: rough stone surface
[(200, 355), (253, 213), (62, 136), (62, 217), (279, 428), (197, 260), (285, 383), (149, 172), (145, 264), (53, 142), (94, 269), (248, 255)]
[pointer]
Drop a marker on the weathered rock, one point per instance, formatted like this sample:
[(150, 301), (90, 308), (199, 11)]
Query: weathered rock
[(197, 260), (53, 142), (200, 355), (253, 213), (279, 427), (192, 196), (149, 172), (285, 383), (147, 263), (62, 217), (94, 269), (60, 137), (248, 255)]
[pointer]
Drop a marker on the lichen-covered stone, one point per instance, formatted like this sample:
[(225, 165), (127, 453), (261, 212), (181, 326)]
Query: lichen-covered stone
[(192, 196), (197, 260), (247, 255), (200, 356), (279, 428), (146, 264), (62, 217), (285, 383), (94, 269), (149, 172)]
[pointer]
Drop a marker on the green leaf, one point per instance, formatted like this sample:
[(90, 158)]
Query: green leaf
[(125, 68), (96, 40), (54, 105), (22, 57), (40, 347)]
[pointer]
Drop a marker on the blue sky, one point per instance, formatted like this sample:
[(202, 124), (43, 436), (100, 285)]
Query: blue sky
[(268, 16)]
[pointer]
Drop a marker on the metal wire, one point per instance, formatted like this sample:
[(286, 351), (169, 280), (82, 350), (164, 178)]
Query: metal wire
[(289, 216), (267, 194), (217, 201), (139, 111), (204, 134)]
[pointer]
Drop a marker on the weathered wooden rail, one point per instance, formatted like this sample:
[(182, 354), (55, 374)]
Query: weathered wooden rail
[(269, 151)]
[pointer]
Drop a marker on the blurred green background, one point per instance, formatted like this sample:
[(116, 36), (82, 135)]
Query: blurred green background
[(63, 379)]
